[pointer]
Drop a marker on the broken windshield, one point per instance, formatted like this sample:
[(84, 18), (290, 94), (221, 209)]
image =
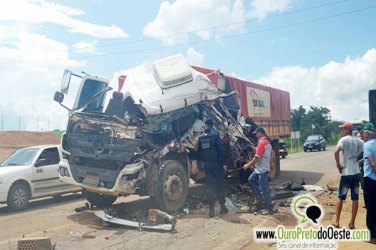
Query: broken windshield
[(94, 103), (92, 95)]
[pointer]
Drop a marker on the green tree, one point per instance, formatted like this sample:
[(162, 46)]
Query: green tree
[(296, 117), (316, 120)]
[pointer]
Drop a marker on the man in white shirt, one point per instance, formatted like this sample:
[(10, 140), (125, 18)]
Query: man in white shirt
[(350, 147)]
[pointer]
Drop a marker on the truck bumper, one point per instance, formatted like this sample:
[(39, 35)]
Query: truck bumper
[(123, 186)]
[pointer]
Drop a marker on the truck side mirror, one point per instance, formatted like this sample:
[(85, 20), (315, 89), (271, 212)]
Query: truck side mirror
[(65, 81), (58, 97)]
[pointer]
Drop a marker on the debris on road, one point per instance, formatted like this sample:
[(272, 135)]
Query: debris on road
[(42, 243), (332, 188), (83, 208), (88, 235), (312, 188), (159, 217), (136, 224)]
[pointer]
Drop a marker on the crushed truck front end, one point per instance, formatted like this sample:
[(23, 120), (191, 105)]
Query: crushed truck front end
[(145, 141)]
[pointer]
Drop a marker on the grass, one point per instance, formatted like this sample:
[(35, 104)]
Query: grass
[(58, 133)]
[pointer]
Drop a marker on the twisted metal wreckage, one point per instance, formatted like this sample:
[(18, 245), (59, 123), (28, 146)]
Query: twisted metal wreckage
[(145, 141)]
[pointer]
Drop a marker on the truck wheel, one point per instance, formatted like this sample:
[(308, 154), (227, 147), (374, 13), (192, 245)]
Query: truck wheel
[(273, 166), (172, 186), (18, 197), (99, 200)]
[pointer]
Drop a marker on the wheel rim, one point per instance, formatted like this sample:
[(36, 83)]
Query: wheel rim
[(173, 187), (19, 197)]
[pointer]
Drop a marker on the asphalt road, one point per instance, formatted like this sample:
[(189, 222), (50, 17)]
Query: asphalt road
[(57, 219), (315, 168)]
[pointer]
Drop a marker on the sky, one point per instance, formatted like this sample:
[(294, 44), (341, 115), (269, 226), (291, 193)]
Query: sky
[(322, 52)]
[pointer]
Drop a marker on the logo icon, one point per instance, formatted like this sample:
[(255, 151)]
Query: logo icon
[(306, 206)]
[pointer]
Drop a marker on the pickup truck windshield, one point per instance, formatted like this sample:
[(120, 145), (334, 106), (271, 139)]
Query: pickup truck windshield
[(21, 157)]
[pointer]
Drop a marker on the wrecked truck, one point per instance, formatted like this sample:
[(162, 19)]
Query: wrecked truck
[(142, 140)]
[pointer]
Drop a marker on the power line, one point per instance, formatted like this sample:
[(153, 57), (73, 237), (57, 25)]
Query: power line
[(202, 29), (208, 40)]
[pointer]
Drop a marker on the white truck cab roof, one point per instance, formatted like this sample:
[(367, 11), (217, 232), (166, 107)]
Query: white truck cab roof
[(171, 84)]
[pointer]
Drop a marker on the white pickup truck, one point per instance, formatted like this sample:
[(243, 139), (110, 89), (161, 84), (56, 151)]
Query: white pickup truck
[(31, 173)]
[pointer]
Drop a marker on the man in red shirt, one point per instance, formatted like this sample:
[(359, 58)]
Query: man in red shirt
[(261, 165)]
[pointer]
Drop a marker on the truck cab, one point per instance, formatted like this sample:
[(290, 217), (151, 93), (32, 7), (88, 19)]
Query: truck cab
[(143, 141)]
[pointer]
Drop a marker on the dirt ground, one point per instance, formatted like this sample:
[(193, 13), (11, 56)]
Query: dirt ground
[(13, 140)]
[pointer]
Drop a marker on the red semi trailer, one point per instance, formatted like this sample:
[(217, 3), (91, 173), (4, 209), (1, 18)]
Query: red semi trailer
[(267, 106)]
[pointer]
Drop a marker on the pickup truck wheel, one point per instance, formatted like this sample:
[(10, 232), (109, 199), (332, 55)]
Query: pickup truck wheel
[(18, 197), (99, 200), (172, 186)]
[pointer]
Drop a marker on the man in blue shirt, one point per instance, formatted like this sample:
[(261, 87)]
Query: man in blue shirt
[(369, 134)]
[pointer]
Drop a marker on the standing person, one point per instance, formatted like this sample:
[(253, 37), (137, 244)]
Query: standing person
[(361, 167), (259, 177), (347, 164), (369, 153), (212, 154)]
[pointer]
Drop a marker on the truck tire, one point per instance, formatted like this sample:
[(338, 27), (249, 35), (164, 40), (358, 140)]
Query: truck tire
[(18, 197), (275, 162), (273, 166), (172, 186), (99, 200)]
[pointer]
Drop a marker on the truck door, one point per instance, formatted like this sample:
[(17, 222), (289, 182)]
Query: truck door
[(89, 87), (45, 172)]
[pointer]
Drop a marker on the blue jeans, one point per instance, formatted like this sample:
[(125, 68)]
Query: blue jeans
[(260, 181)]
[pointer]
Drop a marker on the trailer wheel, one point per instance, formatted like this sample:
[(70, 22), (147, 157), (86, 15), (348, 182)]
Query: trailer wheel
[(18, 197), (99, 200), (172, 186), (273, 166)]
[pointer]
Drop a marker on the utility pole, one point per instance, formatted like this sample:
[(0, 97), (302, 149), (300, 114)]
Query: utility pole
[(19, 123)]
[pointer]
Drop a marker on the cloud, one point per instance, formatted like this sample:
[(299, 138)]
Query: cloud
[(37, 12), (261, 8), (86, 47), (177, 21), (195, 16), (194, 58), (30, 79), (340, 86)]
